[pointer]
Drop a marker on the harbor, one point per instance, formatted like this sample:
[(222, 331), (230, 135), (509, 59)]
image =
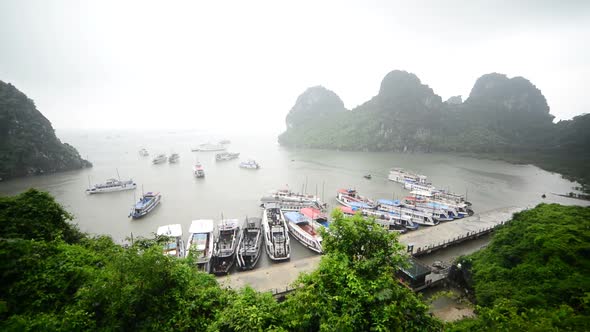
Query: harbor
[(278, 278)]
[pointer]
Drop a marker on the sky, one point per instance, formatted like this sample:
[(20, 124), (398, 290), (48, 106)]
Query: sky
[(239, 66)]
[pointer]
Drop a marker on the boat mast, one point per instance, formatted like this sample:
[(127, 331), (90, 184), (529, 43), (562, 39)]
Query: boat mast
[(118, 176)]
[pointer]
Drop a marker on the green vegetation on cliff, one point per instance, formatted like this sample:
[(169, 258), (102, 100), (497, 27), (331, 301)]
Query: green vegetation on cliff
[(503, 117), (28, 144), (56, 279), (534, 275)]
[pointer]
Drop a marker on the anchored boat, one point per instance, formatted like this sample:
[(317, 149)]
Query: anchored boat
[(223, 156), (198, 170), (174, 158), (303, 230), (206, 147), (401, 176), (143, 152), (111, 185), (224, 249), (276, 233), (348, 196), (250, 245), (250, 163), (416, 216), (175, 245), (200, 243), (159, 159), (146, 204)]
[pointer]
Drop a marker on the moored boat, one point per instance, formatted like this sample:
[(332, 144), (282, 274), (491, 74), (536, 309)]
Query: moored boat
[(198, 170), (416, 216), (145, 205), (276, 233), (111, 185), (226, 243), (175, 245), (250, 163), (224, 141), (174, 158), (303, 231), (319, 218), (206, 147), (161, 158), (200, 243), (348, 196), (401, 176), (223, 156), (143, 152), (288, 205), (250, 245)]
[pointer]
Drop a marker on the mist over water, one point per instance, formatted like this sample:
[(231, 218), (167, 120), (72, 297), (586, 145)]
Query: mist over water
[(235, 193)]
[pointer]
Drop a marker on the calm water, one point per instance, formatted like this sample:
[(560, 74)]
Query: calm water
[(235, 192)]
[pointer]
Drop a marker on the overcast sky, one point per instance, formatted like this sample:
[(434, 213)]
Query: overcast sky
[(241, 65)]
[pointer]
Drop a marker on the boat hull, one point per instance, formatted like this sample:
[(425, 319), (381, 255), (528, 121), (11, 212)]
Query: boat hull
[(307, 241), (110, 190), (148, 209)]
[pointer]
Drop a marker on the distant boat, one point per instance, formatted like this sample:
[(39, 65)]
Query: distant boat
[(251, 164), (348, 196), (302, 229), (175, 246), (145, 205), (226, 243), (111, 185), (250, 245), (200, 243), (208, 147), (161, 158), (368, 176), (222, 156), (198, 170), (174, 158), (401, 176), (276, 234), (224, 141), (288, 195), (143, 152)]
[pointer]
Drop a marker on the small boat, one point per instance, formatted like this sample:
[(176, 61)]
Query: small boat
[(111, 185), (200, 243), (143, 152), (224, 249), (146, 204), (348, 196), (175, 245), (368, 176), (250, 163), (161, 158), (174, 158), (222, 156), (205, 147), (198, 170), (250, 245), (303, 230), (276, 233)]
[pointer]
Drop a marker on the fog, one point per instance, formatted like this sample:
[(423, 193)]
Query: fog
[(239, 66)]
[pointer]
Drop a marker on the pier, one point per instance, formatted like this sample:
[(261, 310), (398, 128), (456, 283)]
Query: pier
[(279, 277)]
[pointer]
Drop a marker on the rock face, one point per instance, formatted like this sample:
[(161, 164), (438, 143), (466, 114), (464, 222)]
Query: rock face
[(28, 144), (455, 100), (315, 102)]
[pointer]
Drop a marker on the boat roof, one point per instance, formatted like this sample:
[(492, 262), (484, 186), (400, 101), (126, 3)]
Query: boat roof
[(388, 201), (346, 191), (312, 213), (346, 209), (294, 217), (359, 205), (201, 226), (173, 230)]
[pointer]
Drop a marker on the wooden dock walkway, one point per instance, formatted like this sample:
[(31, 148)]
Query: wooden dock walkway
[(278, 278)]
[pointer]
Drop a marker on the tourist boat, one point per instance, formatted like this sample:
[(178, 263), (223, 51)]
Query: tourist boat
[(411, 185), (223, 156), (426, 205), (198, 170), (145, 205), (348, 196), (416, 216), (288, 205), (288, 195), (302, 229), (175, 245), (206, 147), (111, 185), (226, 244), (200, 243), (401, 176), (250, 245), (250, 163), (461, 208), (318, 217), (389, 221), (174, 158), (143, 152), (276, 233), (161, 158)]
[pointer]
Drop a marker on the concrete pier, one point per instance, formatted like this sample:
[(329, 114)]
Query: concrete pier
[(278, 278)]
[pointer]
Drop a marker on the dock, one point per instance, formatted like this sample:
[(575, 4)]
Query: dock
[(278, 278)]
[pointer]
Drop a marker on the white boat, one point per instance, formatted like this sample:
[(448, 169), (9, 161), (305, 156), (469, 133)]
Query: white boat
[(111, 185), (174, 158), (411, 185), (416, 216), (145, 205), (205, 147), (288, 195), (200, 243), (224, 141), (391, 222), (302, 229), (276, 234), (250, 163), (223, 156), (175, 246), (462, 208), (288, 205), (198, 170), (250, 245), (449, 211), (226, 243), (348, 196), (161, 158), (401, 176), (143, 152)]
